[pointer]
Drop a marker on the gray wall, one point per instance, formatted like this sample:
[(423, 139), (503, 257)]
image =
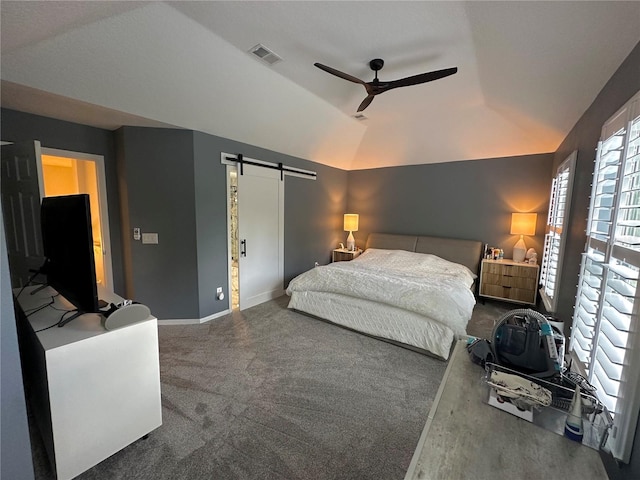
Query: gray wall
[(211, 217), (158, 172), (584, 138), (15, 445), (19, 126), (313, 218), (470, 199)]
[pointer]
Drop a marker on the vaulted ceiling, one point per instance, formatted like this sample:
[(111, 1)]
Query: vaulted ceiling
[(527, 71)]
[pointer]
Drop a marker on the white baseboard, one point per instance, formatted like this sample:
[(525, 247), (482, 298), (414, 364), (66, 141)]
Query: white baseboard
[(193, 321)]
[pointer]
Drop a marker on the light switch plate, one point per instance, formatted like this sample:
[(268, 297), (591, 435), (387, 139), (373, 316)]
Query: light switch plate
[(150, 238)]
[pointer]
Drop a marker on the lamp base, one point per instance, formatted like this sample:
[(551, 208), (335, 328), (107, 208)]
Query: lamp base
[(519, 250), (351, 242)]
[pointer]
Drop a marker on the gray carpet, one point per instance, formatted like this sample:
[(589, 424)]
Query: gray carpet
[(273, 394)]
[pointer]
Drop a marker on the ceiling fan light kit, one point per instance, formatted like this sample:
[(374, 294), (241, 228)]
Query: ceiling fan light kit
[(376, 87)]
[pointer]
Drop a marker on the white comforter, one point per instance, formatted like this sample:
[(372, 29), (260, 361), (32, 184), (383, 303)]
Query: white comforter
[(421, 283)]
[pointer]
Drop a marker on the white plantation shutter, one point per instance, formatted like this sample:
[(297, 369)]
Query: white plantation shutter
[(605, 336), (554, 239), (586, 308)]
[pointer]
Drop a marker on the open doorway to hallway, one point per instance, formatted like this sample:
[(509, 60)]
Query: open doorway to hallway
[(65, 173)]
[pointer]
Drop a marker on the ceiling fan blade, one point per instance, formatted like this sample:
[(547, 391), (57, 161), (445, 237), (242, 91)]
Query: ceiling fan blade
[(338, 73), (365, 103), (420, 78)]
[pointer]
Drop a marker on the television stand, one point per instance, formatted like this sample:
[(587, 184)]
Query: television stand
[(93, 391)]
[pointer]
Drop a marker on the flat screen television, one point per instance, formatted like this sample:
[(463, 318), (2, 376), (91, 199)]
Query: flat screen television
[(68, 247)]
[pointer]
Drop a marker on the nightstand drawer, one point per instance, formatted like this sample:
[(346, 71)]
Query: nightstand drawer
[(512, 270), (509, 281), (508, 293)]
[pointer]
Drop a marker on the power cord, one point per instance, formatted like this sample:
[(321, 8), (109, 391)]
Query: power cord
[(60, 322), (46, 328), (36, 273), (31, 311)]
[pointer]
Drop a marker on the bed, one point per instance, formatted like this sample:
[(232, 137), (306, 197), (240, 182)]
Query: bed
[(414, 291)]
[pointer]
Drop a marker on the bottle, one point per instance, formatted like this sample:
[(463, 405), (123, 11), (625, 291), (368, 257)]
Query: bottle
[(573, 428)]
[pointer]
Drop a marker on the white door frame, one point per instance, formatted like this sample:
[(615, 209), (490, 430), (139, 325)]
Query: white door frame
[(102, 196)]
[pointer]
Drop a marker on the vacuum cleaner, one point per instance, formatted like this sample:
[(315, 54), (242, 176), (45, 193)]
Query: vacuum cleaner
[(522, 340)]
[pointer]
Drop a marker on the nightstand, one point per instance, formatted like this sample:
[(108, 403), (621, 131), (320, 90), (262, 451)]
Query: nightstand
[(344, 255), (509, 281)]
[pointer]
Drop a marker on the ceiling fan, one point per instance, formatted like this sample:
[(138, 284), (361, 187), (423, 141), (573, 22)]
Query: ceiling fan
[(377, 87)]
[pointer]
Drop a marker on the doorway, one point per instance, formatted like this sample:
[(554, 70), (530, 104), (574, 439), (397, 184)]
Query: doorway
[(232, 181), (68, 173)]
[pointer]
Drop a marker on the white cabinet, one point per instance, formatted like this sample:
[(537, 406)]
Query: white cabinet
[(94, 391)]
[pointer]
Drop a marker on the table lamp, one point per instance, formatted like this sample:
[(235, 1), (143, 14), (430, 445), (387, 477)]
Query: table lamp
[(522, 224), (351, 225)]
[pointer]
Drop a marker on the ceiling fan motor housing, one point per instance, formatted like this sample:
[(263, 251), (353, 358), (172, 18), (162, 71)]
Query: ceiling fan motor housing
[(376, 64)]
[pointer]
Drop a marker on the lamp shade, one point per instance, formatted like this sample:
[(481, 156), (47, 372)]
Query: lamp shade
[(351, 222), (523, 223)]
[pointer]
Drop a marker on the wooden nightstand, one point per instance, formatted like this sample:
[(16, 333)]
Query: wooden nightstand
[(509, 281), (344, 255)]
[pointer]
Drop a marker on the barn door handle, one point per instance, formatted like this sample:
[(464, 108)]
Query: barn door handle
[(243, 249)]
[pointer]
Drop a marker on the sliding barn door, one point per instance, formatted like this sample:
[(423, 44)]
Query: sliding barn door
[(260, 234)]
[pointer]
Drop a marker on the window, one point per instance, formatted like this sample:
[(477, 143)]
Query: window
[(605, 337), (551, 266)]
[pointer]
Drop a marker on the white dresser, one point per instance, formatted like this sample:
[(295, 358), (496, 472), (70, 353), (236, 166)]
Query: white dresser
[(93, 391)]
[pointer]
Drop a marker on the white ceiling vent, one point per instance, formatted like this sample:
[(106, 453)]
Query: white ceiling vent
[(264, 54)]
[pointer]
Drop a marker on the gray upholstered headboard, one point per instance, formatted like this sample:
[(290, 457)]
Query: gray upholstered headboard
[(465, 252)]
